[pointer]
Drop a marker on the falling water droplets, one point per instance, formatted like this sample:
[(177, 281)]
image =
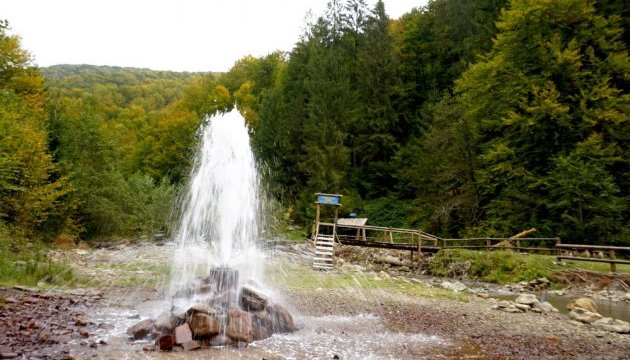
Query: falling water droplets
[(220, 222)]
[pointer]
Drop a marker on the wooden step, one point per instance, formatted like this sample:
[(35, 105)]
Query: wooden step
[(322, 267), (325, 253)]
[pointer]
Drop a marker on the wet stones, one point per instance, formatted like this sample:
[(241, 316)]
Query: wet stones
[(141, 329), (239, 326), (222, 316), (203, 325), (182, 334), (166, 342), (251, 299)]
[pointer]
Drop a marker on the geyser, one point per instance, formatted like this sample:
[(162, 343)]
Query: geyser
[(215, 290)]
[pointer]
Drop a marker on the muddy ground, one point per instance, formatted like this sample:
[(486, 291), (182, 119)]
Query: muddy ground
[(346, 322)]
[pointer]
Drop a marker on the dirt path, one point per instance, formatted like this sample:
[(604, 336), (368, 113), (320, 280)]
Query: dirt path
[(346, 322)]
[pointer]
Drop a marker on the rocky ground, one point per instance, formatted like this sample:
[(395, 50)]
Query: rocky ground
[(68, 324)]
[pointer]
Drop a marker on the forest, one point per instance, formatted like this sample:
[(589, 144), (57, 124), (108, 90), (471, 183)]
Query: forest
[(461, 118)]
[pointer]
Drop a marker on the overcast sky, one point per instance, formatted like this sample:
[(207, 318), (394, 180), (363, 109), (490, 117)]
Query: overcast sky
[(181, 35)]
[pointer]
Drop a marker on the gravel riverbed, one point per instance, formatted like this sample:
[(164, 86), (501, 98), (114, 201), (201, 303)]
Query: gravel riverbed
[(344, 322)]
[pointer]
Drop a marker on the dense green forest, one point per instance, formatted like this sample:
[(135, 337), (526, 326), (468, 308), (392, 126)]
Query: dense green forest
[(479, 117)]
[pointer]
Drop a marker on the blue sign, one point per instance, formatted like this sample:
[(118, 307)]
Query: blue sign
[(328, 199)]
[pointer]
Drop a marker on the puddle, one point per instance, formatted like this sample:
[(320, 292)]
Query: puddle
[(327, 337), (617, 310)]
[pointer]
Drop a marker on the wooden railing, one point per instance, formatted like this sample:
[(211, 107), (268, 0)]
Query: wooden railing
[(417, 240), (596, 253), (524, 244)]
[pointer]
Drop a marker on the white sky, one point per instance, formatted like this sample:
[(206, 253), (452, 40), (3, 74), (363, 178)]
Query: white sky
[(180, 35)]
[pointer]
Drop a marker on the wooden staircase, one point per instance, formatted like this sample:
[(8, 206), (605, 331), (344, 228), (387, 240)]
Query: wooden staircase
[(324, 252)]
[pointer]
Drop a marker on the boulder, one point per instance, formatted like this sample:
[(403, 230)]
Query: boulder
[(220, 340), (526, 299), (456, 286), (522, 307), (281, 319), (203, 325), (582, 315), (612, 325), (182, 334), (141, 329), (252, 299), (511, 309), (191, 345), (544, 307), (165, 323), (166, 343), (201, 308), (262, 326), (584, 303), (239, 326)]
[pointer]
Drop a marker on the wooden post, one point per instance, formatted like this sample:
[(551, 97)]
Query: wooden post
[(518, 246), (391, 236), (419, 248), (335, 223), (488, 243), (316, 225), (613, 266), (558, 249)]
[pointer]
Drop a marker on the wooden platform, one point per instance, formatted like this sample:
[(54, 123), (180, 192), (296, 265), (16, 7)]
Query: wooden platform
[(386, 245)]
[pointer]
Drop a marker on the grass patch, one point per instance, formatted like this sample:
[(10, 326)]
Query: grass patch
[(294, 234), (505, 266), (304, 280), (35, 269)]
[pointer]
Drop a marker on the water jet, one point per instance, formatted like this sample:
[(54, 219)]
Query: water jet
[(217, 258)]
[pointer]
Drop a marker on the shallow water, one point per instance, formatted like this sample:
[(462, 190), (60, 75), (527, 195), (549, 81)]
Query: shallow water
[(617, 310), (345, 337)]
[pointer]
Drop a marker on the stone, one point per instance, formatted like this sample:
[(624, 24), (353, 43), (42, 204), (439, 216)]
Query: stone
[(504, 303), (612, 325), (584, 303), (522, 307), (149, 348), (182, 334), (626, 297), (202, 324), (239, 326), (8, 355), (80, 320), (141, 329), (582, 315), (220, 340), (252, 299), (166, 342), (483, 294), (544, 307), (456, 286), (191, 345), (165, 323), (262, 327), (526, 299), (511, 309), (201, 308), (281, 319)]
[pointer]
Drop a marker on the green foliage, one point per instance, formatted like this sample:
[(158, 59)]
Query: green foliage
[(461, 117), (501, 266), (542, 95)]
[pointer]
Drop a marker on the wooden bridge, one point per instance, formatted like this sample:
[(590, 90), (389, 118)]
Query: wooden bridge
[(355, 232)]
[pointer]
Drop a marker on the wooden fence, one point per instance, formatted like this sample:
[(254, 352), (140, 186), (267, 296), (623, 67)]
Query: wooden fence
[(416, 240), (593, 253)]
